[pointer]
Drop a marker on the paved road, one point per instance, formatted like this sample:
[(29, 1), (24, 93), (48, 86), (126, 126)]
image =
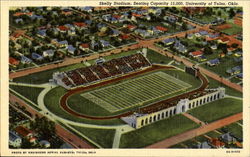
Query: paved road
[(196, 132)]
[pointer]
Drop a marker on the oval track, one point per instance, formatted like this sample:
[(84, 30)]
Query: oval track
[(148, 109)]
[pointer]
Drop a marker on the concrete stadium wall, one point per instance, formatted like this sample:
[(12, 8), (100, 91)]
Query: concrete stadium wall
[(182, 106)]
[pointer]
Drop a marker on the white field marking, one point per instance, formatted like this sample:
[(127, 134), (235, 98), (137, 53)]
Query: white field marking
[(134, 91)]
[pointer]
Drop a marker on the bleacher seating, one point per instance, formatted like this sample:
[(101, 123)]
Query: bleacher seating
[(105, 70)]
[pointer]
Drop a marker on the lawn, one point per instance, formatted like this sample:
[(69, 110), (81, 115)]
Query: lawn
[(235, 129), (52, 99), (190, 143), (235, 29), (217, 110), (156, 132), (31, 105), (213, 134), (104, 137), (230, 91), (122, 54), (157, 58), (30, 93)]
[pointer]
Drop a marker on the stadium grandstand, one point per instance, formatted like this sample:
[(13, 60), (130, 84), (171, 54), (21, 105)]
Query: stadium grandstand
[(112, 68)]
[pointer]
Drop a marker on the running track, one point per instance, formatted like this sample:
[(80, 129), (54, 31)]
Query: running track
[(148, 109)]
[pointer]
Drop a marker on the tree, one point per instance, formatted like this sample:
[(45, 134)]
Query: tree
[(208, 50), (231, 13)]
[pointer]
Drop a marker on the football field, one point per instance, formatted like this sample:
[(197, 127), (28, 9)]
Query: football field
[(136, 91)]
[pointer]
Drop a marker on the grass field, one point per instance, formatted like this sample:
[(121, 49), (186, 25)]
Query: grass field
[(230, 91), (103, 137), (30, 93), (52, 103), (157, 131), (235, 29), (217, 110), (157, 58), (213, 134), (136, 91), (235, 129)]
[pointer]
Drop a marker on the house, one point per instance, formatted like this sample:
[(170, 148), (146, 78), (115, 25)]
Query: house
[(63, 43), (239, 76), (70, 26), (234, 70), (71, 49), (215, 142), (48, 53), (104, 43), (161, 29), (170, 19), (100, 60), (14, 140), (25, 60), (62, 29), (44, 144), (238, 59), (80, 25), (180, 47), (203, 33), (143, 33), (19, 20), (227, 138), (124, 37), (223, 40), (238, 54), (213, 62), (87, 9), (115, 33), (38, 17), (214, 47), (213, 36), (221, 55), (13, 61), (203, 145), (36, 56), (196, 54), (190, 36), (24, 132), (41, 33), (168, 41), (71, 32), (202, 58), (101, 26), (84, 47), (66, 12), (113, 20), (136, 15), (106, 17), (88, 22), (131, 27)]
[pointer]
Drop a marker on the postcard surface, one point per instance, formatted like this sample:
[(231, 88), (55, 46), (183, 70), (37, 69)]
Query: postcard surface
[(130, 78)]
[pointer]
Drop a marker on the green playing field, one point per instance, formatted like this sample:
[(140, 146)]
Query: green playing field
[(136, 91)]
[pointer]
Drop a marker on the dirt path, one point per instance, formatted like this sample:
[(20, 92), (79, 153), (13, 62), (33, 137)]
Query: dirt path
[(196, 132)]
